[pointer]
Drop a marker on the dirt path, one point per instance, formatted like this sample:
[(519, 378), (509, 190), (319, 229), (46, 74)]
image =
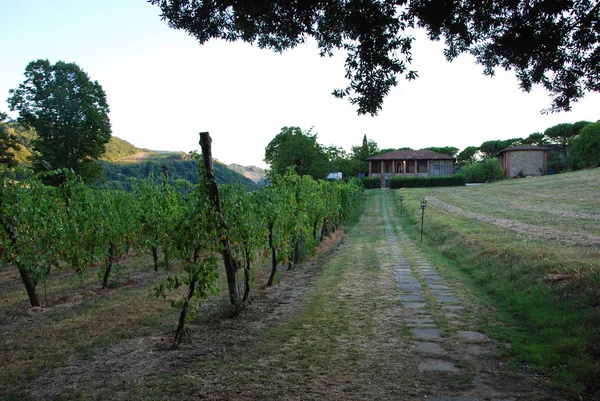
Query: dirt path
[(549, 233)]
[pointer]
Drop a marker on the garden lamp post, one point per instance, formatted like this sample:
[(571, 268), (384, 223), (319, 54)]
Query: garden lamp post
[(423, 206), (401, 199)]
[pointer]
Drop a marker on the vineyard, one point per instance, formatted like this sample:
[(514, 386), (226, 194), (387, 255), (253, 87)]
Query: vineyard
[(185, 227)]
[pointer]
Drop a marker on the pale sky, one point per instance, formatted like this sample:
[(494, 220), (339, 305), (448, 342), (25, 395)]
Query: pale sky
[(163, 88)]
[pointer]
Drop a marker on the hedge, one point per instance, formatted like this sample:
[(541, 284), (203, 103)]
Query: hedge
[(371, 183), (421, 182)]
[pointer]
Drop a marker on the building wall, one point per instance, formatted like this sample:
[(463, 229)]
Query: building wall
[(527, 162)]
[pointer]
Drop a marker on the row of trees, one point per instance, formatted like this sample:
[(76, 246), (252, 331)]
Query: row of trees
[(73, 226), (568, 144)]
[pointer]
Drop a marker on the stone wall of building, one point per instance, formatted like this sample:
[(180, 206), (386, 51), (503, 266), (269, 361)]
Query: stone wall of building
[(527, 162)]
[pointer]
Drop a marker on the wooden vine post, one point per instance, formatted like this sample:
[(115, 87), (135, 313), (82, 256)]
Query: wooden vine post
[(231, 268)]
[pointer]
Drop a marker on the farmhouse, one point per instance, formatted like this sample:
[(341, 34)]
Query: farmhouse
[(523, 160), (405, 163)]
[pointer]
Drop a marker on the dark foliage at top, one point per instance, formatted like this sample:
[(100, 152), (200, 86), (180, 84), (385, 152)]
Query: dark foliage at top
[(549, 42)]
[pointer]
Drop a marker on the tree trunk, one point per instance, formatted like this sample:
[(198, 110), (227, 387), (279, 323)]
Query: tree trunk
[(166, 258), (155, 257), (30, 286), (229, 261), (9, 225), (324, 229), (273, 257), (246, 276), (111, 254), (184, 310), (196, 254)]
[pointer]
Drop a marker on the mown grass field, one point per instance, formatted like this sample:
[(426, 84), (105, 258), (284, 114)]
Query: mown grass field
[(531, 247)]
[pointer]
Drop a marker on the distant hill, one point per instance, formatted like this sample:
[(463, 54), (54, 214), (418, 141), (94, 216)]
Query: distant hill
[(179, 165), (122, 160), (117, 149), (254, 173)]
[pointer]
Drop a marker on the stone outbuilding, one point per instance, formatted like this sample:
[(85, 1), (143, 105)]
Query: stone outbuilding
[(523, 160), (409, 163)]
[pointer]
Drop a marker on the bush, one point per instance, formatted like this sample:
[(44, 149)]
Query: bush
[(585, 149), (484, 171), (421, 182), (371, 183)]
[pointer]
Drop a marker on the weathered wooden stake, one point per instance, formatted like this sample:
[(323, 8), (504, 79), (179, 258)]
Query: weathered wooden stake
[(231, 267)]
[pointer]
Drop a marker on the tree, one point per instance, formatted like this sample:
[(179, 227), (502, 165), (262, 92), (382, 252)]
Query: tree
[(586, 147), (490, 149), (293, 147), (8, 144), (447, 150), (551, 43), (361, 153), (537, 138), (468, 155), (69, 113), (563, 134)]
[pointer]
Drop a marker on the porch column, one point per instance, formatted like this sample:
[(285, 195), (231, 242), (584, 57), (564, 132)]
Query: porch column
[(370, 169), (428, 170)]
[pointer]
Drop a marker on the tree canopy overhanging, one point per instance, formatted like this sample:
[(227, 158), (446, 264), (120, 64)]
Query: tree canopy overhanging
[(553, 43)]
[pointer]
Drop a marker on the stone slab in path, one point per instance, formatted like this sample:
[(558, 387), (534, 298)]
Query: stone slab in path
[(412, 287), (428, 334), (472, 335), (419, 319), (453, 307), (429, 347), (450, 398), (439, 287), (437, 365), (414, 305), (411, 297), (447, 298)]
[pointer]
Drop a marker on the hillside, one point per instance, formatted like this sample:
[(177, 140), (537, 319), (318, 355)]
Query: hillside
[(254, 173), (117, 149), (123, 160), (179, 166)]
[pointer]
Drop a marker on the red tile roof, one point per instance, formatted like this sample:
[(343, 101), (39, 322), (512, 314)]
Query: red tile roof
[(412, 155)]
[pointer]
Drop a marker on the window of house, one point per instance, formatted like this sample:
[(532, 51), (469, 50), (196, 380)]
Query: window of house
[(410, 166), (376, 167), (388, 166), (421, 166)]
